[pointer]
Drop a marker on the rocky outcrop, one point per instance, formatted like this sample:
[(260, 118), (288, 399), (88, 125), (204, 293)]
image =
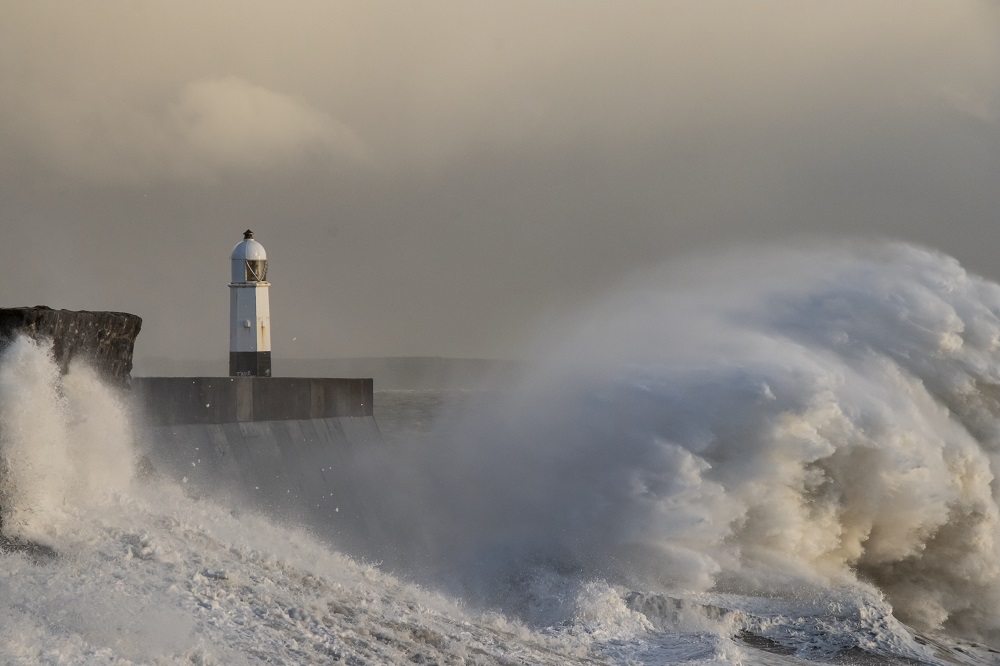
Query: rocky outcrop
[(104, 339)]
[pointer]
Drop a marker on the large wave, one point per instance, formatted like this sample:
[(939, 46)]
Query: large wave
[(765, 422)]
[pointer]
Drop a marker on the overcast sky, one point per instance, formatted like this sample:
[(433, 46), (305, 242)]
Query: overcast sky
[(445, 178)]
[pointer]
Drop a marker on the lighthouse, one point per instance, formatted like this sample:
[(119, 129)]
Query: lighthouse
[(249, 312)]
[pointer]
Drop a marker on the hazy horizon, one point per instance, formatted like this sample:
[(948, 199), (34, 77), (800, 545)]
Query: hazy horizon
[(389, 373), (453, 179)]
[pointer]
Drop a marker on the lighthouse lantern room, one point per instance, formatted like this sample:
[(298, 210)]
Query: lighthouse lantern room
[(249, 311)]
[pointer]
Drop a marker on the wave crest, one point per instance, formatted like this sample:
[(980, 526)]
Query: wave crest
[(779, 420)]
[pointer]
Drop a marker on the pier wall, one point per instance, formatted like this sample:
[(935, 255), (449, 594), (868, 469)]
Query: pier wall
[(285, 446), (204, 400)]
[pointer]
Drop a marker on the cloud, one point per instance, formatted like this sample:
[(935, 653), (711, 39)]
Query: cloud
[(232, 124), (211, 127)]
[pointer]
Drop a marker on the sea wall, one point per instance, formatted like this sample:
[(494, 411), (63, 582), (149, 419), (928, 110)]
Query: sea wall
[(104, 339), (210, 400), (298, 469), (287, 447)]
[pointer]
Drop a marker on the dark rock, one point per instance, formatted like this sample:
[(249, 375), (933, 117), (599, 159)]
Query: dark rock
[(104, 339), (36, 551)]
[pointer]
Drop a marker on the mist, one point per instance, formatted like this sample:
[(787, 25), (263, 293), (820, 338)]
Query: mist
[(780, 423)]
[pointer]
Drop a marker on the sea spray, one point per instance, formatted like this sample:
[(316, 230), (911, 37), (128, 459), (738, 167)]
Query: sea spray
[(65, 443), (102, 452), (771, 423), (34, 466), (141, 573)]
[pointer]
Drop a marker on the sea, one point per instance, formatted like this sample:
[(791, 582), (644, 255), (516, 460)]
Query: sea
[(765, 457)]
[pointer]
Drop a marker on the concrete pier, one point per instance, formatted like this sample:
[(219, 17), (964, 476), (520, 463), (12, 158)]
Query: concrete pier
[(284, 446), (295, 469), (201, 400)]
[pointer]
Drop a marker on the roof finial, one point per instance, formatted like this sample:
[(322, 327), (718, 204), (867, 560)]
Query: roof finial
[(247, 235)]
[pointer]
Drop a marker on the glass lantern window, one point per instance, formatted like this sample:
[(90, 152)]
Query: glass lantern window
[(256, 270)]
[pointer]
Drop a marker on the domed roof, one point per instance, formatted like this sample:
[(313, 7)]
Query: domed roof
[(248, 248)]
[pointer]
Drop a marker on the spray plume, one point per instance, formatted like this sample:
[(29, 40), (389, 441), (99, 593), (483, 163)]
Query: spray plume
[(64, 442), (765, 423)]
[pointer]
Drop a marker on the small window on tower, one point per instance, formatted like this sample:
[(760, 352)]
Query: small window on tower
[(256, 270)]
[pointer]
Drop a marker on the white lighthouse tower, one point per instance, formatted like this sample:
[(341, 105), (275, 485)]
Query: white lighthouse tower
[(249, 311)]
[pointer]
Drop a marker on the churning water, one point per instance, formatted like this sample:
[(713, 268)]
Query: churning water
[(769, 458)]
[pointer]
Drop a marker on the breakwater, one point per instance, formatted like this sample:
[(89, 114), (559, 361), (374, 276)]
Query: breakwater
[(281, 445), (207, 400)]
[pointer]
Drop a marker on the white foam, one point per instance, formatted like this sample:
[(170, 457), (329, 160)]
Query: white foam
[(144, 574), (34, 465), (761, 423)]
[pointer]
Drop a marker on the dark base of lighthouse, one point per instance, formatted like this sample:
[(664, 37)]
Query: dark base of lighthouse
[(250, 364)]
